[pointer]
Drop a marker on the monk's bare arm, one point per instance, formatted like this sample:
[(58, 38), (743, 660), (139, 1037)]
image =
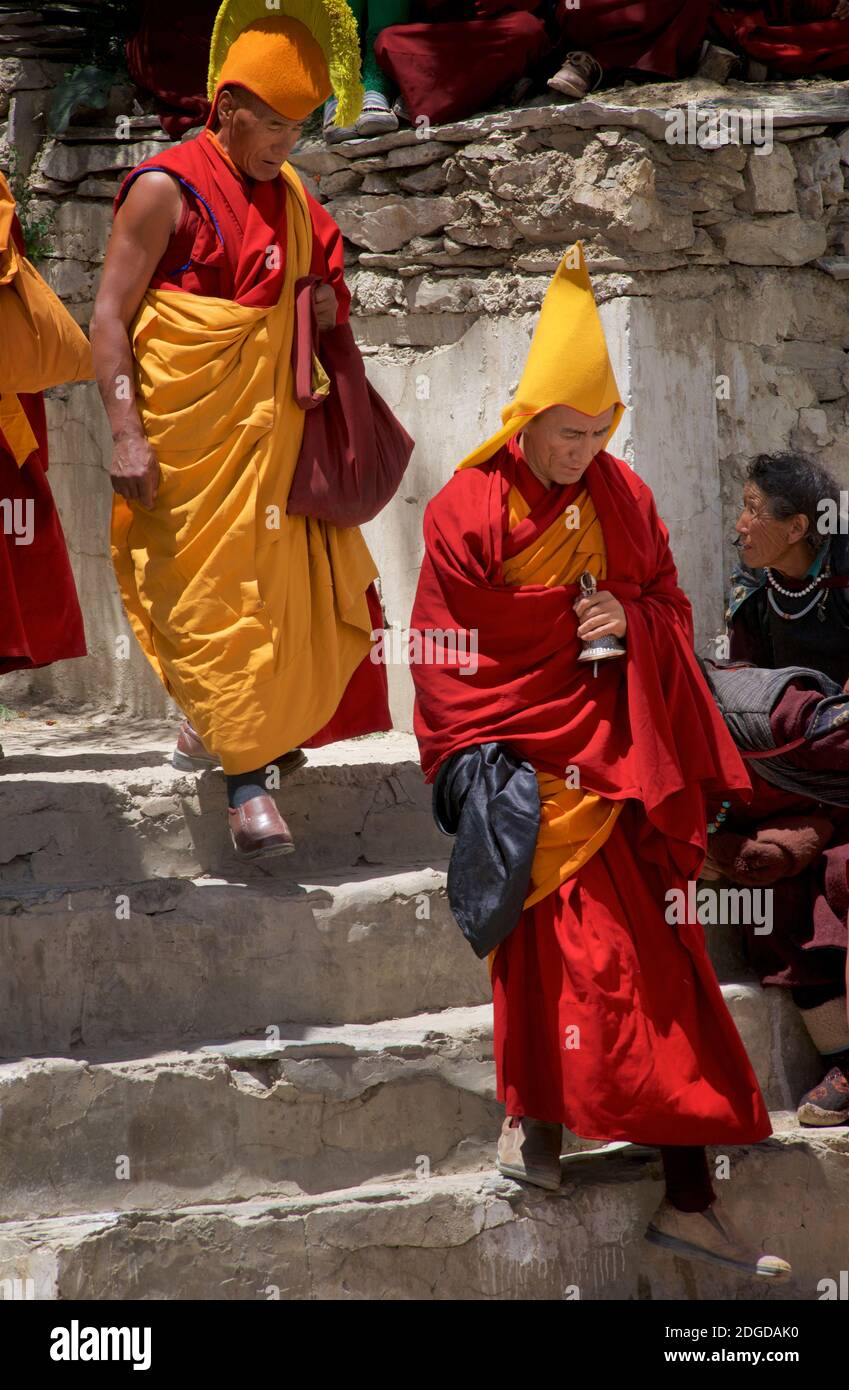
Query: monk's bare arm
[(143, 227)]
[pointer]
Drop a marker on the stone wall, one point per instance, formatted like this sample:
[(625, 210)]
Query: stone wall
[(720, 271)]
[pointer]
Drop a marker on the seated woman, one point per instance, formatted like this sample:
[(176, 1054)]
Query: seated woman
[(790, 608)]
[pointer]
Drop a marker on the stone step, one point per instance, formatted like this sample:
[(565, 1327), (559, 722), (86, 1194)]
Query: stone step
[(312, 1109), (97, 813), (321, 1108), (204, 959), (181, 961), (457, 1237), (194, 958)]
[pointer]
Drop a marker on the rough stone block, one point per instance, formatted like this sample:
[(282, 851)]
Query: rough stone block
[(428, 180), (81, 230), (782, 239), (343, 181), (385, 223), (70, 163), (818, 162), (770, 182)]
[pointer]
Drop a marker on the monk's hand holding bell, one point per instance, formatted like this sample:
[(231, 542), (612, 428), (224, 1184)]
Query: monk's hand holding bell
[(600, 616), (134, 470), (324, 297)]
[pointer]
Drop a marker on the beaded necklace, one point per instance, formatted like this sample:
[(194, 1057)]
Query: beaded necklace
[(819, 598)]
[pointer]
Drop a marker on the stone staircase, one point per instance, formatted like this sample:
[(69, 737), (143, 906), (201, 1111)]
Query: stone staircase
[(231, 1082)]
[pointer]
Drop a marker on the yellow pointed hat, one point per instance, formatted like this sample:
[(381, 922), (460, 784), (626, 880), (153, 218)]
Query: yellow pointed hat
[(567, 362), (289, 53)]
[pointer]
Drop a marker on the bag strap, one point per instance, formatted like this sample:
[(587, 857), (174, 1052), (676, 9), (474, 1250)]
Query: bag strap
[(15, 428), (305, 343)]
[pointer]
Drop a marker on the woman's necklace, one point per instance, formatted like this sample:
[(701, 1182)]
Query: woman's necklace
[(795, 593)]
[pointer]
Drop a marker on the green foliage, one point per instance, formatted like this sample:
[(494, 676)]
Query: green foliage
[(101, 65), (37, 229), (88, 86)]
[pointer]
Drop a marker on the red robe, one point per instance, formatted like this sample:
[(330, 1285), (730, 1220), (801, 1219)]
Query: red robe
[(168, 56), (794, 37), (659, 1059), (40, 618), (659, 37), (450, 69), (220, 248)]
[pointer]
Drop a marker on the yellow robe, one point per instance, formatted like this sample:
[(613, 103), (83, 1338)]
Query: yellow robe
[(13, 422), (40, 344), (254, 620), (573, 823)]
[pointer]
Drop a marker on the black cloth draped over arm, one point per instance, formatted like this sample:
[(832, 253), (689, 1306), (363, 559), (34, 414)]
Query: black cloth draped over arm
[(489, 800)]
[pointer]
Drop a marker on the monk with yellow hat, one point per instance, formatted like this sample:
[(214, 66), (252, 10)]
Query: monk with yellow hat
[(258, 622), (584, 717)]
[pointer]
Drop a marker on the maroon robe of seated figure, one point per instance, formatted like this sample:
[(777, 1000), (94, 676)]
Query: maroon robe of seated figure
[(468, 56), (796, 38)]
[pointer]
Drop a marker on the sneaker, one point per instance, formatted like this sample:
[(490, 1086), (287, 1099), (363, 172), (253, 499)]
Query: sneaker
[(529, 1150), (376, 117), (709, 1236), (581, 73), (334, 134), (399, 106), (827, 1103)]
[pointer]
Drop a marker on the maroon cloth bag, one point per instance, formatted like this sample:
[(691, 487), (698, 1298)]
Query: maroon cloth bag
[(354, 451)]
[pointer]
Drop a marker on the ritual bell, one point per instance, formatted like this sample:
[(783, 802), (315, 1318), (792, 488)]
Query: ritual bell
[(598, 648)]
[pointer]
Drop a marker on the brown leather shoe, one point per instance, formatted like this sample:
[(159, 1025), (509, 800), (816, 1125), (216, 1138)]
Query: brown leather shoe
[(189, 754), (529, 1150), (258, 830)]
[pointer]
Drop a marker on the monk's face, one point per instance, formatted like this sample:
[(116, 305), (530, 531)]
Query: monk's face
[(764, 538), (257, 140), (560, 443)]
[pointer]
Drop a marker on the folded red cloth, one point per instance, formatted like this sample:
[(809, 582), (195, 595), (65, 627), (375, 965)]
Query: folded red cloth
[(773, 850)]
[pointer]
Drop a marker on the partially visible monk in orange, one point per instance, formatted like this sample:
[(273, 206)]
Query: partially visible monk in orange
[(258, 622), (40, 346)]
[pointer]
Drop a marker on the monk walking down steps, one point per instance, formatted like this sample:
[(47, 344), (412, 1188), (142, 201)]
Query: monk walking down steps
[(573, 763), (256, 618)]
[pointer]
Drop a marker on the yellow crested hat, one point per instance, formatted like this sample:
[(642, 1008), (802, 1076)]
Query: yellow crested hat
[(290, 53), (567, 362)]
